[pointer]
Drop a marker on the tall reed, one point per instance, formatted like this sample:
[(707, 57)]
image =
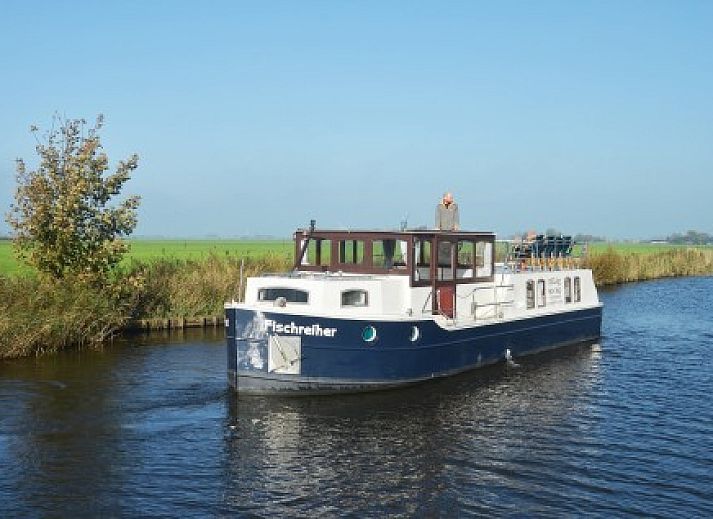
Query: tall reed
[(189, 288), (611, 267), (39, 316)]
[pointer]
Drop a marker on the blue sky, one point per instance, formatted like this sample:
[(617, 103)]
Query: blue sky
[(253, 117)]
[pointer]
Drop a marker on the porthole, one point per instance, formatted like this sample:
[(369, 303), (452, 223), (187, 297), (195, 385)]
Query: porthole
[(415, 334), (369, 334)]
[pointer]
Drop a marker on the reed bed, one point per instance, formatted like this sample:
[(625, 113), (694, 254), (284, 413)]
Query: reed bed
[(39, 316), (611, 267), (188, 288)]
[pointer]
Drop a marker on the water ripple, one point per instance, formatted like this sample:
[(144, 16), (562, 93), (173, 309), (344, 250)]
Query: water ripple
[(622, 429)]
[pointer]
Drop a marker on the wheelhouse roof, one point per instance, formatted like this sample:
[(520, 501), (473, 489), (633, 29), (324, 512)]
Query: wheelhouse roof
[(377, 233)]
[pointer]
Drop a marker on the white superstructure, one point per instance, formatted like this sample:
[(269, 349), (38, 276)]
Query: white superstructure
[(511, 295)]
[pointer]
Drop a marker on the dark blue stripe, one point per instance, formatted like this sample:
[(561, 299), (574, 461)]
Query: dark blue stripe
[(392, 357)]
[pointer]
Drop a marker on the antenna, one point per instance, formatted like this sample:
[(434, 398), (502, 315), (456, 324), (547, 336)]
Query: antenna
[(404, 222)]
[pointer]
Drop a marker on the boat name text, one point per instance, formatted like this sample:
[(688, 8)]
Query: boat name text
[(293, 329)]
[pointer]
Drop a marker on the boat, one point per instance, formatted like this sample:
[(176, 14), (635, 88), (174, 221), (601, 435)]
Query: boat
[(367, 310)]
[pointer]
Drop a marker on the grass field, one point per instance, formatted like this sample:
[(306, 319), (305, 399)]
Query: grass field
[(145, 250), (8, 263), (639, 248)]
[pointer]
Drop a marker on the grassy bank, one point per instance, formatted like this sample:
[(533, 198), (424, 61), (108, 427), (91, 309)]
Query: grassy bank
[(39, 316), (156, 283), (188, 288)]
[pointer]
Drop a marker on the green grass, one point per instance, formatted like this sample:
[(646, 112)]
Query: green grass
[(8, 263), (640, 248), (146, 250)]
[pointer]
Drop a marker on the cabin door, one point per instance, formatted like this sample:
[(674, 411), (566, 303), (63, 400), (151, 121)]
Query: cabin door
[(443, 287), (446, 300)]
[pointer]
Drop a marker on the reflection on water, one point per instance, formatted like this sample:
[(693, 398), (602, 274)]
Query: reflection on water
[(455, 441), (148, 427)]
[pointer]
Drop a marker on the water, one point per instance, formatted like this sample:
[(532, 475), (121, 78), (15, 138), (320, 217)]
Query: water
[(149, 428)]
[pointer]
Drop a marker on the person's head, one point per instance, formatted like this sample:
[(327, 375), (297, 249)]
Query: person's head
[(447, 199)]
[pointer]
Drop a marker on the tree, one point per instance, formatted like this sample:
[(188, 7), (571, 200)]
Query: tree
[(63, 221), (690, 238)]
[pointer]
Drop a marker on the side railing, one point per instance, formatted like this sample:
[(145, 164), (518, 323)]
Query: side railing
[(495, 308), (487, 307), (542, 253)]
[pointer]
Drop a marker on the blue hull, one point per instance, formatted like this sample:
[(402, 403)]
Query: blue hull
[(334, 356)]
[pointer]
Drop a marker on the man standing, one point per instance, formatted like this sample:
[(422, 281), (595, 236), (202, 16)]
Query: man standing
[(447, 216)]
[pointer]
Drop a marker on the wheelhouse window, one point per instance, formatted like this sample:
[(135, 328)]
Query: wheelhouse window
[(474, 259), (577, 289), (291, 295), (445, 260), (355, 298), (541, 293), (567, 290), (484, 259), (530, 294), (318, 252), (389, 254), (422, 260), (351, 252), (465, 268)]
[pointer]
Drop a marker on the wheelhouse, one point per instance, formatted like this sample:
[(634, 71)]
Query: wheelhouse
[(438, 259)]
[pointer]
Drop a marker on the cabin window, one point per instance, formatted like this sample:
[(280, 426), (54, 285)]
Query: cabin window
[(351, 251), (541, 293), (318, 252), (567, 290), (466, 254), (445, 260), (389, 254), (466, 259), (484, 259), (355, 298), (530, 294), (444, 254), (577, 289), (422, 260), (291, 295)]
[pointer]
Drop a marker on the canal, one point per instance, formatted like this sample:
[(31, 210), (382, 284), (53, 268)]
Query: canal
[(148, 427)]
